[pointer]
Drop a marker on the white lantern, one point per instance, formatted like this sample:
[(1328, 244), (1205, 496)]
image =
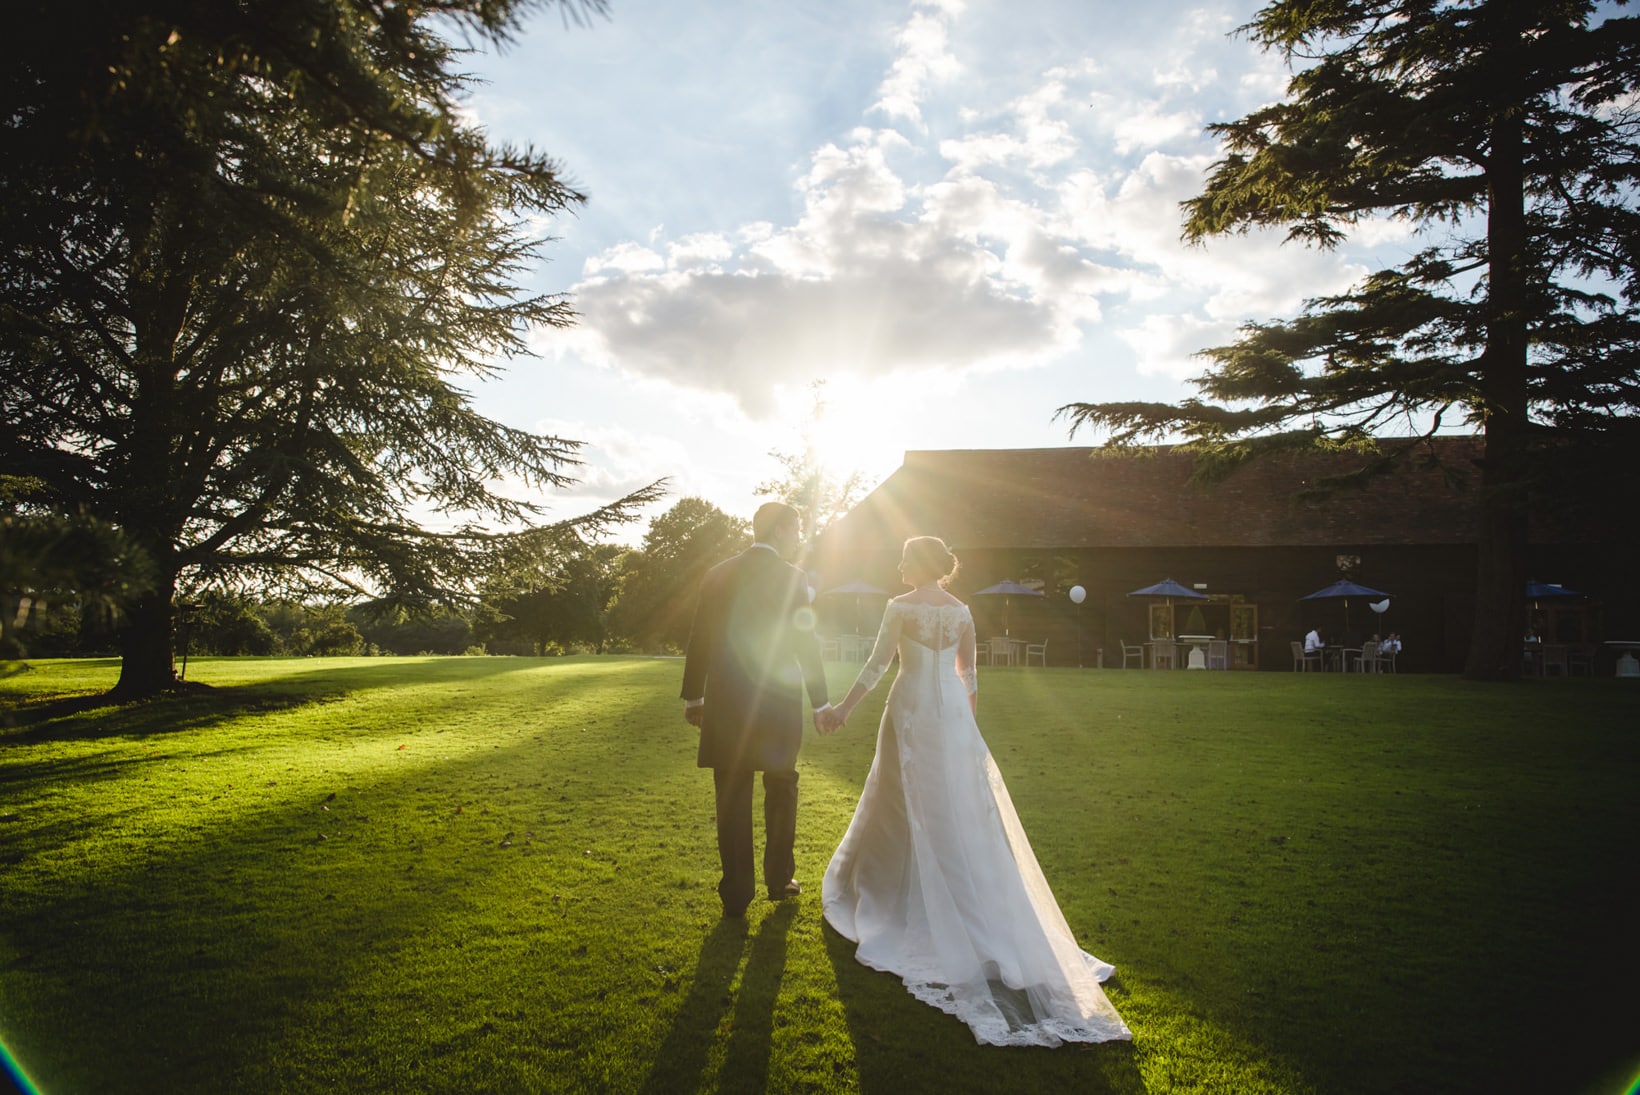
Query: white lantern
[(1078, 595)]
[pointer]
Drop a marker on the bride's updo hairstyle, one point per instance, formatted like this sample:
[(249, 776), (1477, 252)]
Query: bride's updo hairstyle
[(927, 557)]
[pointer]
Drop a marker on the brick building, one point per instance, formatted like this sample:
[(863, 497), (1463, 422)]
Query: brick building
[(1058, 517)]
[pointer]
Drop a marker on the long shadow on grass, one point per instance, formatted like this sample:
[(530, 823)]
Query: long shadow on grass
[(129, 960), (123, 983), (682, 1057), (681, 1061), (746, 1065), (90, 718), (58, 717), (902, 1044), (95, 716)]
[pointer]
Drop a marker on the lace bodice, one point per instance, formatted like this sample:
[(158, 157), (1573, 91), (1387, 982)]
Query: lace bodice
[(944, 630)]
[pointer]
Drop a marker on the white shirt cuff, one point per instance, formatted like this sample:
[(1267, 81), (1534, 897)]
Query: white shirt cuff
[(687, 704)]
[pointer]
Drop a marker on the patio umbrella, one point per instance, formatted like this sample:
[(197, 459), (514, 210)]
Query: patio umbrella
[(858, 589), (1546, 591), (1007, 590), (1343, 590), (1539, 591), (1170, 589)]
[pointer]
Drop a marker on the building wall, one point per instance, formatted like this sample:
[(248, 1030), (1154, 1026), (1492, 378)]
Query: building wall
[(1430, 587)]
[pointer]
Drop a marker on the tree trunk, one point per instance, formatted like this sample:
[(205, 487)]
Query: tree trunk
[(12, 618), (146, 658), (1500, 580)]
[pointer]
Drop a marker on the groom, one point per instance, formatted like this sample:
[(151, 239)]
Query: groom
[(751, 652)]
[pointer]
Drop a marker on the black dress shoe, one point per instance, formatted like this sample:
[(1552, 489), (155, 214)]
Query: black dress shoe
[(734, 914), (790, 889)]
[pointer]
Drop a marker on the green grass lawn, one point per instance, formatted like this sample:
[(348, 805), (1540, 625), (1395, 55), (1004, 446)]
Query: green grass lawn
[(496, 874)]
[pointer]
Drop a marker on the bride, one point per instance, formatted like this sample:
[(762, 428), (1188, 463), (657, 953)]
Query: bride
[(935, 880)]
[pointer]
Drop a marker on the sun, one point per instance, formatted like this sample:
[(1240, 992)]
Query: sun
[(851, 427)]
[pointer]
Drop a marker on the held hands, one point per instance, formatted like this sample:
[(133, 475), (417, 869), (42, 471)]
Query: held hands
[(828, 721)]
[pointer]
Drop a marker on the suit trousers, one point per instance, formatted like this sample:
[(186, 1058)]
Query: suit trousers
[(734, 831)]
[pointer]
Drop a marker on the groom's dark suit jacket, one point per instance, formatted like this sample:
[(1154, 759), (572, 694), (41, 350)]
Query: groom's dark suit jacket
[(751, 653)]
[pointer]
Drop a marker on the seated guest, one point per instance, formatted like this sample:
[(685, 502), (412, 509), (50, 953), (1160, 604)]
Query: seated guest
[(1313, 642)]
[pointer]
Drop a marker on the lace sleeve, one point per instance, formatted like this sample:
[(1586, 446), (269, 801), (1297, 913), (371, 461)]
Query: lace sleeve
[(966, 659), (888, 640)]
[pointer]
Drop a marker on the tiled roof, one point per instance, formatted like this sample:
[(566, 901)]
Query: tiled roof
[(1080, 498)]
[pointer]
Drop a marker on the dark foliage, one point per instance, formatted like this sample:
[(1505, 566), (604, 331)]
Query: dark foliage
[(1506, 130)]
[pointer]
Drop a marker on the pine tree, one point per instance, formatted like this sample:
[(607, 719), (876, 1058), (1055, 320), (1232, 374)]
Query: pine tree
[(1506, 131), (249, 249)]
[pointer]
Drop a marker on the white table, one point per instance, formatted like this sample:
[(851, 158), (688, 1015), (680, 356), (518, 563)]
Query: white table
[(1627, 666), (1198, 650)]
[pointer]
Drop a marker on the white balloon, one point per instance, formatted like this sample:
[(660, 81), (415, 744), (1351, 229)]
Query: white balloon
[(1078, 595)]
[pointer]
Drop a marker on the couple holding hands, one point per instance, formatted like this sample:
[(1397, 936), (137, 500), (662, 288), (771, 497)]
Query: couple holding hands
[(934, 880)]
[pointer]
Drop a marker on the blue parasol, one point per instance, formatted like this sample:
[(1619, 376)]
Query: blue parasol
[(1007, 590), (1167, 587), (858, 589), (1537, 591), (1343, 590)]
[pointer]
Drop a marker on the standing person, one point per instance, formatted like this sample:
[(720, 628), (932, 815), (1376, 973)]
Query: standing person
[(935, 880), (752, 650)]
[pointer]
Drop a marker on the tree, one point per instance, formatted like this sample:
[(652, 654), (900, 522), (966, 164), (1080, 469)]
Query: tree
[(50, 560), (818, 494), (1505, 130), (659, 584), (390, 629), (248, 250), (225, 623), (563, 601)]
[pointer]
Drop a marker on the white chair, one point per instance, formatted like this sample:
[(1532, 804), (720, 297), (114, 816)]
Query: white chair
[(1163, 655), (1303, 661), (1039, 651), (1218, 654), (1367, 662), (1132, 652), (1002, 651), (830, 650)]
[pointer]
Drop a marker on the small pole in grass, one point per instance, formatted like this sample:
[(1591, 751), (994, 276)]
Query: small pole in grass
[(1078, 595), (185, 619)]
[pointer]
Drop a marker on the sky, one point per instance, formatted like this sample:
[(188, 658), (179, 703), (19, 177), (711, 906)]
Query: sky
[(957, 214)]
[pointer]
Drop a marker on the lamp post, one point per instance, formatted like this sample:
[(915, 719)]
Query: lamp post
[(1078, 595)]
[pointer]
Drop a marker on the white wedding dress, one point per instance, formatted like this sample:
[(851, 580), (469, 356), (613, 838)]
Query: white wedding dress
[(935, 879)]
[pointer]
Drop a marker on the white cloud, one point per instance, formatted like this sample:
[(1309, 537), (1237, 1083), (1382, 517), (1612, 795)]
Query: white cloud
[(925, 58), (997, 239), (1036, 137), (874, 277), (1147, 125), (624, 258), (700, 249), (1165, 344)]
